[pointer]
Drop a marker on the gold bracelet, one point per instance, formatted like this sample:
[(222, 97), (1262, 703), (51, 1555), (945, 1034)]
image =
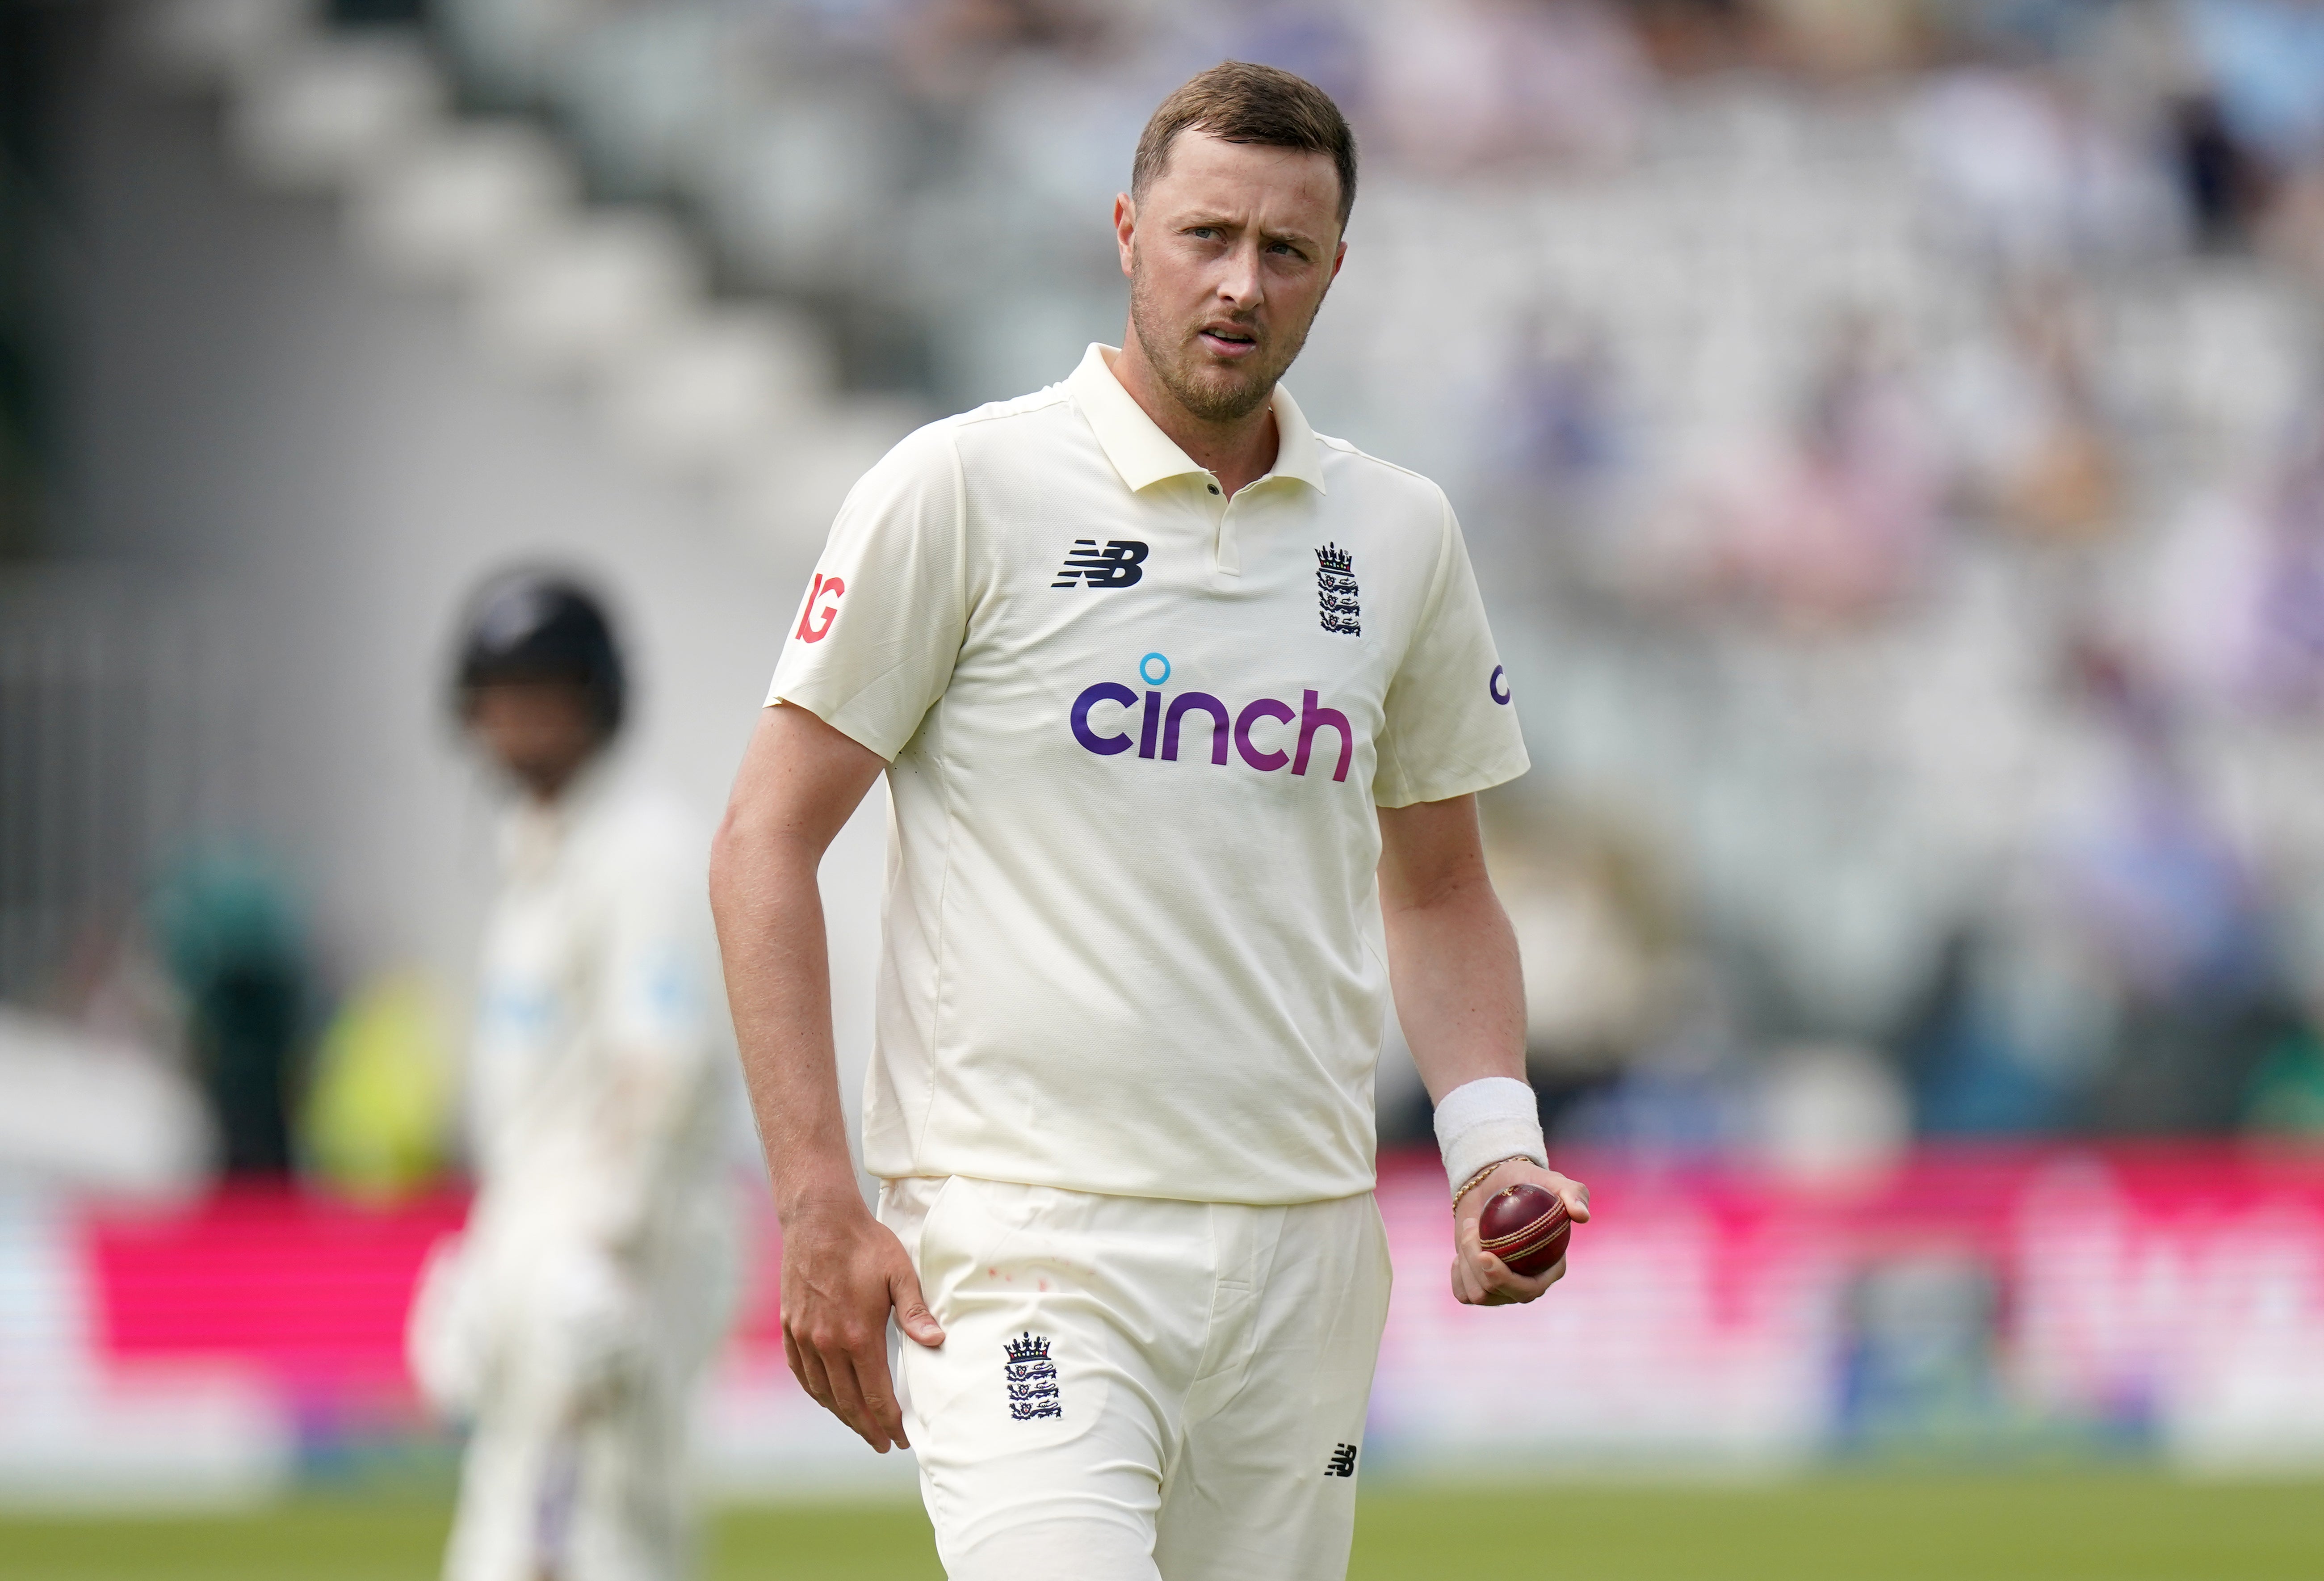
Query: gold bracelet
[(1477, 1179)]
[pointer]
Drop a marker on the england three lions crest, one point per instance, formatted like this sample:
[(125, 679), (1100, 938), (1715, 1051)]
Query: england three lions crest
[(1336, 592), (1032, 1379)]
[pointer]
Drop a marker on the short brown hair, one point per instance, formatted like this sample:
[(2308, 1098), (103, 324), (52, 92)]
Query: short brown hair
[(1238, 102)]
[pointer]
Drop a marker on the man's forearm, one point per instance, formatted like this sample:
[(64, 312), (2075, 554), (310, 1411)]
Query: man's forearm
[(771, 932), (1460, 991)]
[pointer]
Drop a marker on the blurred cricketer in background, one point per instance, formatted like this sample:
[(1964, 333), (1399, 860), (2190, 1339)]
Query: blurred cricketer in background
[(1183, 709), (572, 1320)]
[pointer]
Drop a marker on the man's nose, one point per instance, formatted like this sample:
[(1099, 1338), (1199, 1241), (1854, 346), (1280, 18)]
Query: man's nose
[(1239, 282)]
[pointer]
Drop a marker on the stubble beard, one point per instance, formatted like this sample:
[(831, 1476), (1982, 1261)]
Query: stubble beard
[(1211, 395)]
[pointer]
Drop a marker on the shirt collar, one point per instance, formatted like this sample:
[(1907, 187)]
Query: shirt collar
[(1143, 454)]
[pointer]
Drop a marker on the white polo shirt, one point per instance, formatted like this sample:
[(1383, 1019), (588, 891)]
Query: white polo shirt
[(1137, 733)]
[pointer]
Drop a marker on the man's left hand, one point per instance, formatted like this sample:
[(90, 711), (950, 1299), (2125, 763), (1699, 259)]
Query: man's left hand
[(1479, 1278)]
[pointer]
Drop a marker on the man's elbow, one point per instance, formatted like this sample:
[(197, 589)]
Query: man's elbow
[(732, 852), (754, 858)]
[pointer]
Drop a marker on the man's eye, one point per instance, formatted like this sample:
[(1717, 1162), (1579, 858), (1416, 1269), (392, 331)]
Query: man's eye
[(1204, 231)]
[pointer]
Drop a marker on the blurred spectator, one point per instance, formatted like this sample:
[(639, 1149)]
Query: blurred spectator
[(2286, 1095), (2026, 419), (1978, 1064), (2028, 176), (2265, 59), (1318, 39), (2172, 906), (1596, 929), (2225, 188), (2239, 585), (1561, 451), (1845, 38), (1922, 1353), (1457, 85), (1691, 37), (235, 948), (1685, 1092), (379, 1114), (1833, 522)]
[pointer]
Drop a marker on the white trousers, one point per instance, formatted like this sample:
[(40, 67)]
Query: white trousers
[(600, 1495), (1131, 1389), (577, 1464)]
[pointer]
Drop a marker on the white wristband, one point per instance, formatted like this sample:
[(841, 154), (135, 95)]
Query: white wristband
[(1483, 1122)]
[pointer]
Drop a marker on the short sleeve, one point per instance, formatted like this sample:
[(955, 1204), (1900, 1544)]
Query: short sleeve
[(876, 634), (1451, 728)]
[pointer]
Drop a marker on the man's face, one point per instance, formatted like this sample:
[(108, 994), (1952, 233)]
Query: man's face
[(1229, 254), (541, 731)]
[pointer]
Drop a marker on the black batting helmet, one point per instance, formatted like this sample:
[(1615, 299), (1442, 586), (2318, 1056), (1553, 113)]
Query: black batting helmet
[(543, 625)]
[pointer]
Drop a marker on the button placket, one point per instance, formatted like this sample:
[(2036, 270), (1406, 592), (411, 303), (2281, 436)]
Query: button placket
[(1224, 560)]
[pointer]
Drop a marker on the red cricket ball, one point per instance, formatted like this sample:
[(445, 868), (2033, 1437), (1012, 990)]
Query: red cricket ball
[(1526, 1227)]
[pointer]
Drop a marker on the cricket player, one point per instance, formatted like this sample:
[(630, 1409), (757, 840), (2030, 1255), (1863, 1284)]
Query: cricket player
[(571, 1320), (1183, 709)]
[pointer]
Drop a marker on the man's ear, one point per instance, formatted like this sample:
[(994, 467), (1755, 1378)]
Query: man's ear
[(1339, 256), (1125, 226)]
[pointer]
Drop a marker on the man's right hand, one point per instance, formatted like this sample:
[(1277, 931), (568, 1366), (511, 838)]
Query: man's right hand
[(843, 1272)]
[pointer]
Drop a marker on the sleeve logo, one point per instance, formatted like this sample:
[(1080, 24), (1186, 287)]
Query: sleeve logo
[(1336, 592), (810, 629), (1118, 564)]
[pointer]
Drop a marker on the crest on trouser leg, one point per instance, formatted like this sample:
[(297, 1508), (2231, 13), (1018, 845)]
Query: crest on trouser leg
[(1032, 1379)]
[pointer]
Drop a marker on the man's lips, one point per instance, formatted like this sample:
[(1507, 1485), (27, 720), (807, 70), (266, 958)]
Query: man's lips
[(1224, 341)]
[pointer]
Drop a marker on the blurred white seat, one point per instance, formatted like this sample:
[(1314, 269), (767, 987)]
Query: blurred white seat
[(589, 295), (331, 109), (452, 207), (707, 396), (199, 43)]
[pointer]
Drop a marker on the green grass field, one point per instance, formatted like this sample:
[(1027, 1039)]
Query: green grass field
[(2124, 1526)]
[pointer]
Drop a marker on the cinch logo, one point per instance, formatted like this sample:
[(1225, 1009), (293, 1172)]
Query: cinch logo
[(816, 632), (1161, 723)]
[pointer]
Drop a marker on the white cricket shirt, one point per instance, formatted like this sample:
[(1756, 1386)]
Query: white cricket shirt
[(1136, 732), (596, 993)]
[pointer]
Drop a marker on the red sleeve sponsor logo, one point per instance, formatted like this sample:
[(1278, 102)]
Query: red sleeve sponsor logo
[(814, 620)]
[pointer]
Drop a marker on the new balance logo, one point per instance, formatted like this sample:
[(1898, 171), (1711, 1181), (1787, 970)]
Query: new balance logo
[(1118, 564), (1342, 1462), (1032, 1379)]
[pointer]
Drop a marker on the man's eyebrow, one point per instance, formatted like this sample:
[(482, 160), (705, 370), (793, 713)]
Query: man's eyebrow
[(1222, 222)]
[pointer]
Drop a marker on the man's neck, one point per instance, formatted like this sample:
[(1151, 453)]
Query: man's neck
[(1236, 452)]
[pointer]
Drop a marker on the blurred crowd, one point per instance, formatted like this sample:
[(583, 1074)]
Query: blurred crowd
[(1892, 434)]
